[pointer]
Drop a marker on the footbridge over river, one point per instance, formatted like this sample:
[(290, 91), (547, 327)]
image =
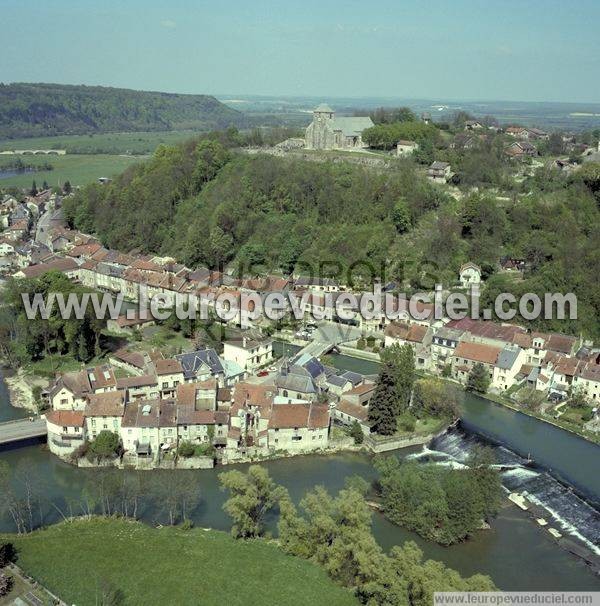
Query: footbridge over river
[(22, 429)]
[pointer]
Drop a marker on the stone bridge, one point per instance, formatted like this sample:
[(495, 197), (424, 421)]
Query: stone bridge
[(22, 429), (34, 152)]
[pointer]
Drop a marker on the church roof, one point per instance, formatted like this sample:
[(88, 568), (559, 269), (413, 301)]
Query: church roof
[(323, 107), (352, 126)]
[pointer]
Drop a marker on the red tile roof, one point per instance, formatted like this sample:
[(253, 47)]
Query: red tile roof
[(66, 418)]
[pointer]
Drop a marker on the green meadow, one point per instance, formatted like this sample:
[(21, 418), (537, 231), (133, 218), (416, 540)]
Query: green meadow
[(158, 566), (78, 169)]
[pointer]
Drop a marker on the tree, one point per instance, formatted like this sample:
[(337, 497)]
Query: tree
[(435, 398), (402, 361), (106, 444), (335, 532), (8, 554), (401, 217), (252, 496), (383, 409), (67, 188), (479, 379), (356, 432), (33, 191), (578, 398)]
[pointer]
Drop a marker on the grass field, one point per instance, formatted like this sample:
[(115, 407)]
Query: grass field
[(169, 566), (110, 143), (78, 169)]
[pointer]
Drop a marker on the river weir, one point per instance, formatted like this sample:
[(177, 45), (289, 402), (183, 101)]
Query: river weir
[(556, 503)]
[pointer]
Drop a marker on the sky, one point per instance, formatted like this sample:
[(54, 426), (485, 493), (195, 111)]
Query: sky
[(543, 50)]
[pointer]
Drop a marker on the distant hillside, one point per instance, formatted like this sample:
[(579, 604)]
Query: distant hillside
[(35, 110)]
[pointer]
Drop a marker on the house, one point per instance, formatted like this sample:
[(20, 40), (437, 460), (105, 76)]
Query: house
[(249, 354), (203, 364), (473, 124), (139, 387), (132, 361), (202, 426), (67, 266), (316, 284), (406, 148), (536, 133), (348, 413), (104, 412), (444, 342), (149, 426), (469, 274), (521, 149), (295, 382), (487, 332), (71, 389), (169, 373), (298, 427), (66, 431), (587, 379), (517, 131), (125, 325), (466, 355), (507, 367), (6, 248), (328, 132), (537, 345), (360, 394), (249, 418), (402, 333), (439, 172)]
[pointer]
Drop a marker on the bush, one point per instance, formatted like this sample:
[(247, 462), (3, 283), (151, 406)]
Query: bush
[(361, 344), (370, 341), (8, 554), (187, 524), (357, 433), (106, 445), (186, 449), (407, 422)]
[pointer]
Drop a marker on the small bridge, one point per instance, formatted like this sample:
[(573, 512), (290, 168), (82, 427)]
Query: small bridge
[(22, 429), (34, 152), (316, 349)]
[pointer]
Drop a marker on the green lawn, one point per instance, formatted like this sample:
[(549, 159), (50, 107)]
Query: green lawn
[(79, 170), (169, 566), (110, 143)]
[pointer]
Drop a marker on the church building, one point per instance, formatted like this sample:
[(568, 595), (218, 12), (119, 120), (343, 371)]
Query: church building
[(328, 132)]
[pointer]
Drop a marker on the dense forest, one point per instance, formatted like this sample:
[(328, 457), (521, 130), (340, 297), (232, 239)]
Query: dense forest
[(206, 203), (35, 110)]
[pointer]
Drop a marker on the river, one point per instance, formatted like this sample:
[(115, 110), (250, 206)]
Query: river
[(516, 553)]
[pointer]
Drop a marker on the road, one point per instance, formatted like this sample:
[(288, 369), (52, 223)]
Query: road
[(22, 429)]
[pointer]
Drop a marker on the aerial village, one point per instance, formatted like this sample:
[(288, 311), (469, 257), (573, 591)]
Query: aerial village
[(246, 400)]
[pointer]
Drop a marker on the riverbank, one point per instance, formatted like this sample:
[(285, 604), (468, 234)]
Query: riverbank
[(21, 386), (361, 355)]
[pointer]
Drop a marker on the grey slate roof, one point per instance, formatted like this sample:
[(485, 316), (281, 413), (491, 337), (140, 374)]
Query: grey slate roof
[(506, 358), (353, 377), (300, 382), (337, 381), (193, 361), (352, 126)]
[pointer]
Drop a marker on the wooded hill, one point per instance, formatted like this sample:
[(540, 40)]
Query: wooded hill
[(35, 110), (205, 203)]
